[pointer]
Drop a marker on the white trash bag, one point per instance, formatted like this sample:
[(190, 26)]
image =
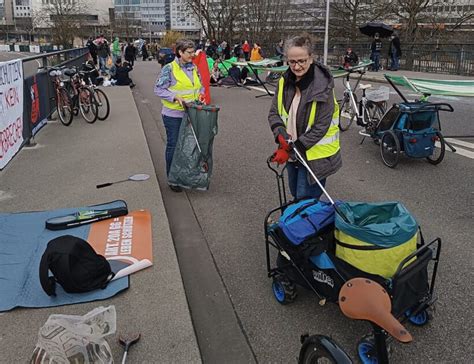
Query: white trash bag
[(65, 339)]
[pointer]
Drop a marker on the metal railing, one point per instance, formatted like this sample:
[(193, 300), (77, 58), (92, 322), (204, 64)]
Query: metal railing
[(35, 71), (435, 58)]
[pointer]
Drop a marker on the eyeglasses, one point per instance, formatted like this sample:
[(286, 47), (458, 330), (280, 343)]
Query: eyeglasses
[(190, 52), (299, 62)]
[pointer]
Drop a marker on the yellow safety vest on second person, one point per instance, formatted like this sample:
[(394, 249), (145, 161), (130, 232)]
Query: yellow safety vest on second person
[(329, 144), (184, 87)]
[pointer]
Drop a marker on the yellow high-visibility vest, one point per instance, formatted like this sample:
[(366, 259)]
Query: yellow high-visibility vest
[(329, 144), (184, 87)]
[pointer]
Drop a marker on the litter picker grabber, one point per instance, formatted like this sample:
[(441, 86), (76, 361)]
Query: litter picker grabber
[(127, 341), (302, 160), (135, 177)]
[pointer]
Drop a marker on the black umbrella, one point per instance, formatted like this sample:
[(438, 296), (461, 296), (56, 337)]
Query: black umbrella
[(370, 29)]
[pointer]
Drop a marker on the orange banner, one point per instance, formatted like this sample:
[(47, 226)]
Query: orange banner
[(126, 239)]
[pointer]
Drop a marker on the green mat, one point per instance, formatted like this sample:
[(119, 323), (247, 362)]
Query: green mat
[(435, 87)]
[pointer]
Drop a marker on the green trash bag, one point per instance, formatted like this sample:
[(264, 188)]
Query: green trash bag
[(192, 160)]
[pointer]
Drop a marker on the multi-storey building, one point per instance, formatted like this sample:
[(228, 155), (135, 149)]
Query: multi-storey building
[(182, 17)]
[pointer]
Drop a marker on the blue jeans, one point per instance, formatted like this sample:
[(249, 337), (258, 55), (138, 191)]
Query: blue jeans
[(395, 61), (298, 181), (172, 126), (103, 64), (376, 58)]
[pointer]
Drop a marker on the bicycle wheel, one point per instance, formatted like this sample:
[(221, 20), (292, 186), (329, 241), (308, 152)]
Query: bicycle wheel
[(87, 105), (438, 151), (64, 106), (347, 113), (390, 149), (103, 104)]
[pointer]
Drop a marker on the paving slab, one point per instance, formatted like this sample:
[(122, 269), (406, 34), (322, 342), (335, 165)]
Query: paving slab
[(62, 170)]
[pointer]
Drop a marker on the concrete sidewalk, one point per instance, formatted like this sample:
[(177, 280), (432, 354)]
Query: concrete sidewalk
[(62, 171)]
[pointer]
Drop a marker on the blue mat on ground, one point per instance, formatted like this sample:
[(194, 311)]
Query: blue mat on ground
[(23, 239)]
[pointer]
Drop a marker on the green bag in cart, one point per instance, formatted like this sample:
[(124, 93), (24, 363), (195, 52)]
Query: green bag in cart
[(375, 237)]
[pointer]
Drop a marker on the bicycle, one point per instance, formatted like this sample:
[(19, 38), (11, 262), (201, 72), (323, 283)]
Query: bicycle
[(63, 99), (101, 98), (82, 97), (366, 112)]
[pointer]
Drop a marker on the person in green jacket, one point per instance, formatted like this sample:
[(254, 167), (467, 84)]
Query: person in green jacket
[(116, 53)]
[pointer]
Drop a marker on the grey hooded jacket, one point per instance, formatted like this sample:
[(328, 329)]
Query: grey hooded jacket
[(317, 84)]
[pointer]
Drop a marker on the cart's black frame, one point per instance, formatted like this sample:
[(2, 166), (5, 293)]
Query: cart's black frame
[(424, 254)]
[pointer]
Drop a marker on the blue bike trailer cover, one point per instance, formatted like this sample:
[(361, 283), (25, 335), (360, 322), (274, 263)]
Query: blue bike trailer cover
[(385, 224)]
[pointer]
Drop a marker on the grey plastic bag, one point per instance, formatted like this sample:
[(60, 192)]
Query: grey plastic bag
[(65, 339), (192, 160)]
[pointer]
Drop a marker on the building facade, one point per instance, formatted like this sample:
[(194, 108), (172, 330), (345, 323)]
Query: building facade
[(183, 19)]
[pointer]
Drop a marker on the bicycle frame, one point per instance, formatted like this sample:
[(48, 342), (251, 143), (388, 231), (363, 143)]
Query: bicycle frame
[(358, 108)]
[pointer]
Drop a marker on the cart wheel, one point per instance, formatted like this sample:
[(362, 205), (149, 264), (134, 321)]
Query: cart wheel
[(390, 149), (313, 352), (420, 319), (346, 108), (367, 351), (438, 151), (283, 289)]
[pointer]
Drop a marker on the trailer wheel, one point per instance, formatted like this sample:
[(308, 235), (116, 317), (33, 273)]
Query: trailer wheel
[(283, 289)]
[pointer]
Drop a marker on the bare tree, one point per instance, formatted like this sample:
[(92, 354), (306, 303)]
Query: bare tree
[(125, 27), (218, 18), (234, 20), (348, 15), (65, 19)]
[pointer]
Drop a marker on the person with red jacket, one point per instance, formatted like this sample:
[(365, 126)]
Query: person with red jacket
[(246, 50)]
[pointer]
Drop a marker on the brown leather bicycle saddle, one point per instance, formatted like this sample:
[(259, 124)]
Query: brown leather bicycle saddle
[(364, 299)]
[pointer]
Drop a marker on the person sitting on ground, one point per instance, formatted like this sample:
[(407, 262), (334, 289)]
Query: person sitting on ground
[(216, 73), (121, 73), (350, 58), (233, 78)]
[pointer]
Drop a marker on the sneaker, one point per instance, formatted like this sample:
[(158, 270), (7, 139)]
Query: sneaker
[(176, 188)]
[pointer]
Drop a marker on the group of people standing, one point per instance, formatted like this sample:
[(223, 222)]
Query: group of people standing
[(394, 52), (223, 51)]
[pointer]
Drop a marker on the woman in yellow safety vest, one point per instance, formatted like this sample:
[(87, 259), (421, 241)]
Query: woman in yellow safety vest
[(179, 83), (304, 109)]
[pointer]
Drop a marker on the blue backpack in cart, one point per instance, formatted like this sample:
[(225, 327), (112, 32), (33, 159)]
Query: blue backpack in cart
[(304, 219)]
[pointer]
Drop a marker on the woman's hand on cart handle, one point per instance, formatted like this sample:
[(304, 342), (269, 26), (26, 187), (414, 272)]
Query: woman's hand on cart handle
[(280, 156)]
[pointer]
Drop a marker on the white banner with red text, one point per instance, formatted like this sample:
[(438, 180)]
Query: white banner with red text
[(11, 110)]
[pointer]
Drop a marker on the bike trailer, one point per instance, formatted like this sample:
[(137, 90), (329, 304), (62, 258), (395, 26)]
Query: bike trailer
[(375, 237), (416, 125)]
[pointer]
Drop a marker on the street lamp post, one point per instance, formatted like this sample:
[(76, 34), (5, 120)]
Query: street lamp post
[(326, 33)]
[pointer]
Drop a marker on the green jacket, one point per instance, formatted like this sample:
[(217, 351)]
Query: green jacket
[(116, 48)]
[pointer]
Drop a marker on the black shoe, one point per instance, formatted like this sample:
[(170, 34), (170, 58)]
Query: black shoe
[(176, 188)]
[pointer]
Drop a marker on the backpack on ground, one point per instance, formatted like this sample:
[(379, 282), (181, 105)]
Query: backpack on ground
[(75, 266)]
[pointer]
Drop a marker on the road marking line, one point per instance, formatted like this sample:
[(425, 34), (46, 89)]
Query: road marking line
[(460, 142), (258, 89), (460, 151)]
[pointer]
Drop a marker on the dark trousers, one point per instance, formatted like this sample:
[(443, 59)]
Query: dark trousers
[(395, 64), (298, 182), (172, 126), (376, 58)]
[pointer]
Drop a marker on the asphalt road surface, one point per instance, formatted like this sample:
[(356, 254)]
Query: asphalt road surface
[(231, 217)]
